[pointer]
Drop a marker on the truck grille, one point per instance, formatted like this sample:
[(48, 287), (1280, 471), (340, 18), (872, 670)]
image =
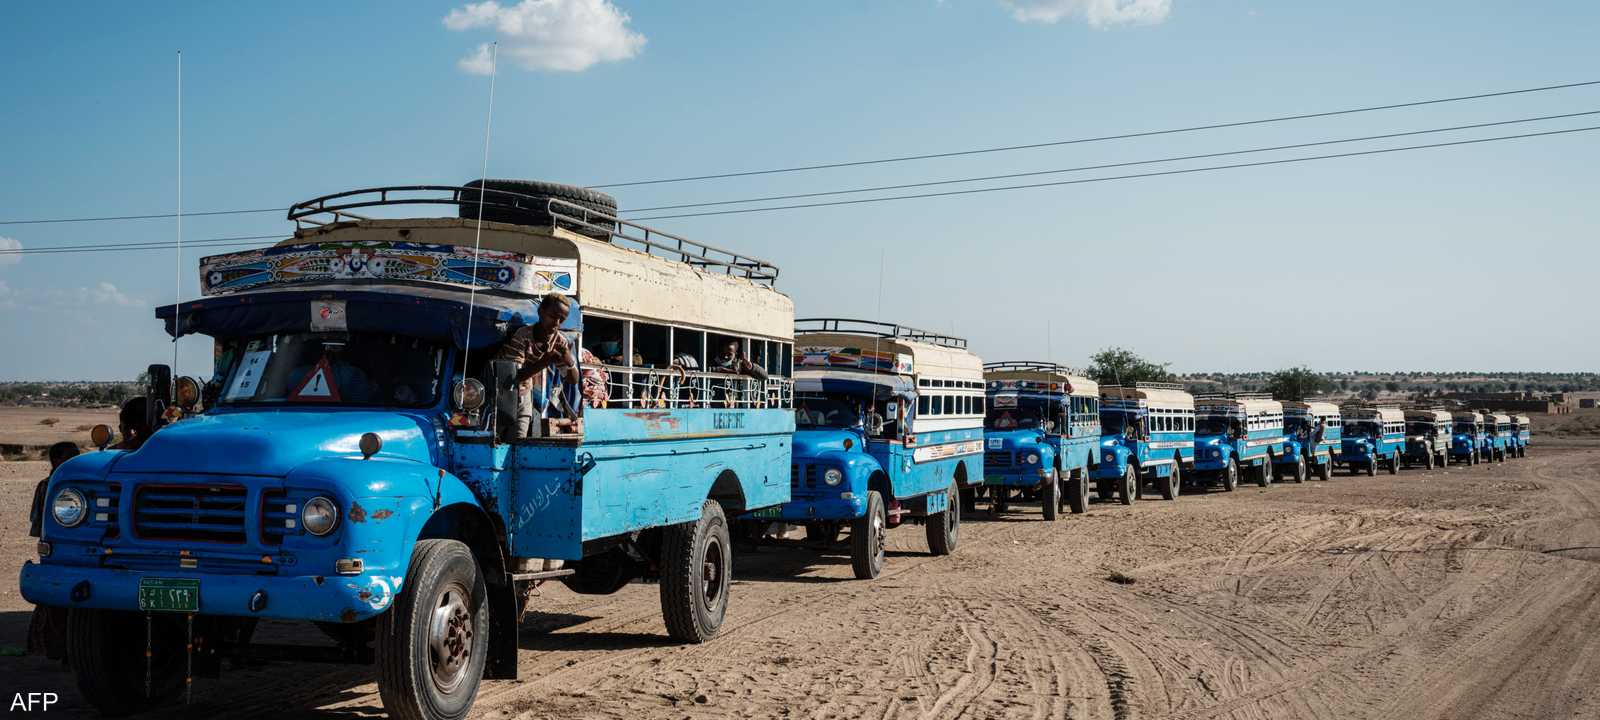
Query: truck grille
[(997, 458), (802, 477), (190, 512)]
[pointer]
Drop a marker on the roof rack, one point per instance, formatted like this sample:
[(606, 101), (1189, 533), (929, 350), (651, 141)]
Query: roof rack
[(1030, 365), (327, 209), (879, 329)]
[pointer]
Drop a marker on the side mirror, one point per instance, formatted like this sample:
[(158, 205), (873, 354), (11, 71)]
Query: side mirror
[(158, 394)]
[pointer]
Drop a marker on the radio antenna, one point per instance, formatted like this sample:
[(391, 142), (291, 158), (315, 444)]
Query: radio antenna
[(483, 192), (177, 298)]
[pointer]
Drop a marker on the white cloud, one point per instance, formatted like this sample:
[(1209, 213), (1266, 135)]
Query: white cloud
[(8, 299), (551, 35), (7, 243), (107, 294), (1098, 13)]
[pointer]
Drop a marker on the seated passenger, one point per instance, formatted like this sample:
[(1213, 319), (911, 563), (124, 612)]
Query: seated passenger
[(1005, 421), (131, 424), (733, 361)]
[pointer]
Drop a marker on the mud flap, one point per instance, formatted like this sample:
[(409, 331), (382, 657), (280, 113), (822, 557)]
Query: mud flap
[(503, 626)]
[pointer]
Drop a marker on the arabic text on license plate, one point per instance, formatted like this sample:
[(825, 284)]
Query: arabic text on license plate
[(169, 595)]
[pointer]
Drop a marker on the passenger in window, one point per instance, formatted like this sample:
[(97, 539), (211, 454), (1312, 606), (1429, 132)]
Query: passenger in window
[(537, 347), (131, 425), (733, 361), (593, 382)]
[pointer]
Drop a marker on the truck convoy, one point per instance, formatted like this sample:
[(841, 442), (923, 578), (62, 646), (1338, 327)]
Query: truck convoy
[(1147, 436), (1467, 437), (1240, 433), (1311, 436), (1497, 437), (1372, 436), (1040, 435), (1428, 434)]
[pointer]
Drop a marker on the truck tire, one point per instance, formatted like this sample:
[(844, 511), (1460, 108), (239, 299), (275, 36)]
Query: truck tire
[(1325, 470), (1050, 497), (867, 534), (696, 572), (1427, 460), (1172, 484), (432, 643), (105, 649), (1078, 492), (944, 528), (1230, 475), (1394, 463), (535, 211), (1130, 485), (1372, 466), (1264, 472)]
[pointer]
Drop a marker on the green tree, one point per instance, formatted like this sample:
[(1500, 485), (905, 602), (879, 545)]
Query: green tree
[(1114, 366), (1297, 383)]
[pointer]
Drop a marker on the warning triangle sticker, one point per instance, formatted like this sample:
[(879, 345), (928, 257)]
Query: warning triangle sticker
[(318, 385)]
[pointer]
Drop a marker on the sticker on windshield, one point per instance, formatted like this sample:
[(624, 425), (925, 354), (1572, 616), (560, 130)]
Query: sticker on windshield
[(328, 315), (248, 379), (318, 385)]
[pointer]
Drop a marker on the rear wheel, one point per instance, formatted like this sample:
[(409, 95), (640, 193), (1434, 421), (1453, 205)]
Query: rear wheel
[(1299, 470), (1230, 475), (1172, 485), (866, 538), (1130, 485), (1050, 497), (1264, 472), (1078, 492), (432, 645), (944, 529), (1372, 466), (1325, 471), (1394, 463), (696, 572), (106, 653)]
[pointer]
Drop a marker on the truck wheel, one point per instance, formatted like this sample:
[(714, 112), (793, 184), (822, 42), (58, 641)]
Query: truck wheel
[(1394, 463), (432, 644), (1230, 476), (1130, 486), (1078, 493), (1325, 471), (1264, 472), (866, 538), (1427, 461), (536, 211), (1172, 485), (105, 649), (944, 529), (696, 570), (1050, 497), (1372, 466), (1299, 470)]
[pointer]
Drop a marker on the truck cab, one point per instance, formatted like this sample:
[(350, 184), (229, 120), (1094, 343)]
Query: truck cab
[(1372, 436), (889, 427), (1240, 434), (1497, 441), (364, 463), (1467, 437), (1040, 435), (1428, 434), (1146, 436), (1312, 434)]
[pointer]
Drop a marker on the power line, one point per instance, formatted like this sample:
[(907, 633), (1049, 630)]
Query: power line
[(907, 158), (1102, 138), (153, 245), (1185, 171), (1105, 166), (152, 216)]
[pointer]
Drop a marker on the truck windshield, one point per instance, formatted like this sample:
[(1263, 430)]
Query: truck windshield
[(1025, 413), (1210, 426), (1367, 428), (830, 410), (333, 368), (1112, 423), (1465, 427), (1419, 428)]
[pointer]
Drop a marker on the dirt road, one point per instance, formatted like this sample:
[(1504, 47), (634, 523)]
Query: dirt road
[(1466, 593)]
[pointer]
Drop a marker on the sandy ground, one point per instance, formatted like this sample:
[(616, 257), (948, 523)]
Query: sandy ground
[(1466, 593), (33, 428)]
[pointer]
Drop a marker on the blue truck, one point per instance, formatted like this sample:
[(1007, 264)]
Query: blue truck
[(1312, 432), (1147, 436), (1466, 436), (1498, 432), (1239, 434), (1428, 436), (1523, 433), (361, 460), (1372, 436), (889, 427), (1040, 435)]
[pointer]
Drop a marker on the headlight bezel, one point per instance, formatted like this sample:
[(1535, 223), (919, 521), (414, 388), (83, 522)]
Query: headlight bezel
[(332, 514), (1032, 458), (832, 477), (74, 495)]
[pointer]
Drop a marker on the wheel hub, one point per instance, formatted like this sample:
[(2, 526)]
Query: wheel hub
[(711, 573), (450, 638)]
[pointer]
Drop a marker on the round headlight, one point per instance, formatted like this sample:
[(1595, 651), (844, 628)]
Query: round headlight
[(1033, 458), (832, 476), (186, 392), (467, 394), (1216, 453), (1110, 457), (319, 516), (69, 507)]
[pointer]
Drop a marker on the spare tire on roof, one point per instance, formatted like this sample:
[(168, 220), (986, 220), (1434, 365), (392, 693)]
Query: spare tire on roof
[(533, 208)]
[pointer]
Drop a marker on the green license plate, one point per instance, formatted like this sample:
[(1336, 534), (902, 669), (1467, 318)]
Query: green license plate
[(771, 512), (169, 595)]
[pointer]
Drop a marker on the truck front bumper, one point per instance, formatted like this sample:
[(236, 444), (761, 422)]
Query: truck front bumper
[(1023, 477), (323, 598), (844, 506)]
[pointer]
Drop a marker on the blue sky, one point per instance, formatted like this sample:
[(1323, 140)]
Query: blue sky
[(1480, 257)]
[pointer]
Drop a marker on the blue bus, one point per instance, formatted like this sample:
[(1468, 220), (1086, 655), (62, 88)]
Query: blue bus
[(1147, 436), (1523, 433), (1497, 430), (1040, 435), (1241, 433), (1372, 436), (889, 427), (1467, 437), (1427, 437), (1312, 436), (363, 461)]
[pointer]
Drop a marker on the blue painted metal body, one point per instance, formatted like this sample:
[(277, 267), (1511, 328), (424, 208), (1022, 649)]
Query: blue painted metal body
[(864, 464), (1255, 448), (1466, 438), (1025, 457), (1496, 439), (1522, 434), (1297, 442), (1154, 453), (1362, 445)]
